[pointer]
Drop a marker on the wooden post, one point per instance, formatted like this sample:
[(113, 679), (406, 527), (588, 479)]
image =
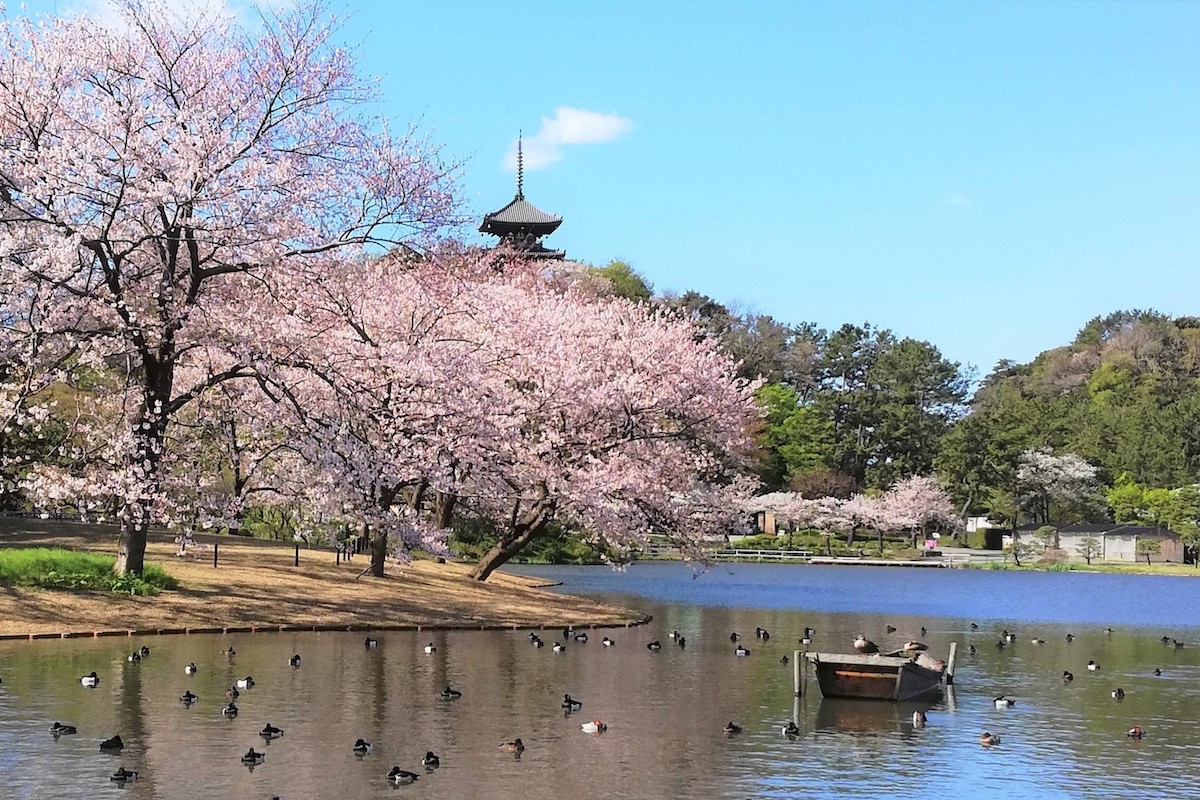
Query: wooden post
[(950, 662), (296, 563), (798, 672), (339, 555), (216, 547)]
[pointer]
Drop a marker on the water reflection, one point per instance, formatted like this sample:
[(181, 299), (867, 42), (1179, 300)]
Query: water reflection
[(665, 712)]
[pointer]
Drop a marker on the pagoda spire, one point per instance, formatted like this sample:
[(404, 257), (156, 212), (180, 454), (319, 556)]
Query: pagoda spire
[(520, 169)]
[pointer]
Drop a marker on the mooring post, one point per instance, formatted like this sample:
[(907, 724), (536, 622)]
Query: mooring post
[(950, 662), (339, 555), (216, 547), (297, 561), (798, 672)]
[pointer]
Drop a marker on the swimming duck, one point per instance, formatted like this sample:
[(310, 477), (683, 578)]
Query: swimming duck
[(1165, 640), (362, 747), (919, 719), (90, 680), (114, 743), (568, 632), (1118, 693), (58, 729), (538, 642), (1157, 671), (581, 637), (1070, 637), (123, 775), (864, 645), (741, 651), (190, 669), (1092, 666), (805, 639), (1004, 702), (187, 698), (784, 659), (1008, 637), (971, 649), (654, 645), (429, 648), (398, 776), (607, 642), (810, 632), (791, 730), (431, 761), (134, 656), (674, 635), (244, 683), (890, 629), (294, 661), (733, 637), (228, 652), (1178, 644), (1108, 631), (1036, 640), (924, 631), (1067, 677), (252, 757), (570, 703), (762, 633), (682, 642), (269, 731), (915, 647), (731, 728), (559, 647), (450, 694), (974, 627), (145, 651), (595, 726), (233, 693), (229, 711), (515, 746), (988, 739), (1135, 732), (533, 636), (1000, 645), (370, 643)]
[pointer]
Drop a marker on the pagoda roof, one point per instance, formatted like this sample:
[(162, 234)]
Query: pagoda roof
[(520, 214)]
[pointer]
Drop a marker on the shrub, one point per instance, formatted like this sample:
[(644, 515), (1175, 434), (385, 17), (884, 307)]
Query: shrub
[(58, 568)]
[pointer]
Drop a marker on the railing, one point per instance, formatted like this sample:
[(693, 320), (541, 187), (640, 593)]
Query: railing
[(762, 555)]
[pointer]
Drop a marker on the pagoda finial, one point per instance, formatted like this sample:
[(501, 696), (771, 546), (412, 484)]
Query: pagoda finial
[(520, 169)]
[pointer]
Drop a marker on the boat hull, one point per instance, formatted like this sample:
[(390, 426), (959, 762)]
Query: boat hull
[(874, 677)]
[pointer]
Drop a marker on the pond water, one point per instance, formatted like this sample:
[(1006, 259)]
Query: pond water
[(665, 710)]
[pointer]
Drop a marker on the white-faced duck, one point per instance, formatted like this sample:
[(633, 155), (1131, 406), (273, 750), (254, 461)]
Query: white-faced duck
[(253, 757), (401, 776), (90, 680), (59, 729), (187, 698), (654, 645), (294, 661), (123, 775), (450, 694), (269, 731), (732, 728), (431, 761), (190, 669), (570, 703), (741, 651), (515, 746), (362, 747), (595, 726), (114, 743)]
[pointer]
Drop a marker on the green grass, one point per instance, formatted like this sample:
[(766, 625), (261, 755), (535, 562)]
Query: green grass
[(56, 568)]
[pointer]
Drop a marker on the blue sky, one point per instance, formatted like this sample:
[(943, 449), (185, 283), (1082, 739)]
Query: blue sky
[(987, 176)]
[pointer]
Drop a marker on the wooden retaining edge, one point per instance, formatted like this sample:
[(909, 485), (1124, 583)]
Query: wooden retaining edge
[(463, 625)]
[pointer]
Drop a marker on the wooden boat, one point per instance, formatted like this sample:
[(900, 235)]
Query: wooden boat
[(890, 676)]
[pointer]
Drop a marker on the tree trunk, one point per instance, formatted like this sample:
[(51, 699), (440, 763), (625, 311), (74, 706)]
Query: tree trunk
[(880, 532), (521, 531), (379, 550), (131, 549), (144, 466)]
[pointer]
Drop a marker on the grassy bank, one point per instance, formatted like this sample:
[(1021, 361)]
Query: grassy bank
[(1124, 567), (59, 568)]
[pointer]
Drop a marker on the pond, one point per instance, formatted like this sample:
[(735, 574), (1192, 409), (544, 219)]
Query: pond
[(665, 710)]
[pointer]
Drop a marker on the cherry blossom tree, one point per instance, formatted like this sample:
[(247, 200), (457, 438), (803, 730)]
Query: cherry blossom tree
[(157, 184), (914, 502), (1045, 479)]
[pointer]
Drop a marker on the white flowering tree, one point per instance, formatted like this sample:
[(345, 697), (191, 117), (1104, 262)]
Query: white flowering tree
[(1046, 482)]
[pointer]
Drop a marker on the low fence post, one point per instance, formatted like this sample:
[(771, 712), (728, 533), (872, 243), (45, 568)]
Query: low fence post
[(296, 563), (216, 547)]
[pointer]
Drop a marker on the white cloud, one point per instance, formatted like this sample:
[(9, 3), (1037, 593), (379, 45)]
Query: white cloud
[(958, 199), (567, 126)]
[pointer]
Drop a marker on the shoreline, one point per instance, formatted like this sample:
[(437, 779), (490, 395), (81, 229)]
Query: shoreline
[(258, 588)]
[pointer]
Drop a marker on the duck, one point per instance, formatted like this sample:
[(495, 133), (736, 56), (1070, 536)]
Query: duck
[(559, 647), (515, 746), (733, 637), (123, 775), (1036, 640), (806, 639), (229, 652), (762, 633), (971, 650), (134, 656), (864, 645), (370, 643), (362, 747), (537, 642), (252, 757), (682, 642), (1157, 671), (919, 719), (1178, 644), (674, 635), (233, 693), (1118, 693), (187, 698), (144, 651), (741, 651), (654, 645), (450, 694), (791, 730), (1008, 637), (570, 703), (890, 629), (924, 631), (269, 731), (114, 743), (731, 728), (1000, 645), (1165, 640), (399, 776), (91, 680), (190, 669), (988, 739), (1092, 666), (1070, 637), (607, 642), (1004, 702), (429, 648), (229, 711), (568, 632), (581, 637), (1067, 677), (974, 627), (915, 647), (294, 661), (1108, 631), (595, 726), (431, 761), (1135, 732), (59, 729), (244, 683), (784, 660)]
